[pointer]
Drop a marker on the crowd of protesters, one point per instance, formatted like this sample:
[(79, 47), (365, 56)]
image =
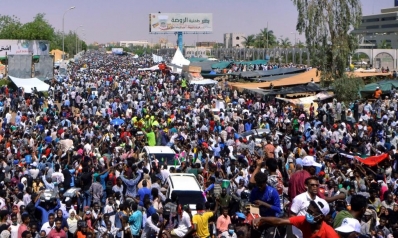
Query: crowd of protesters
[(68, 171)]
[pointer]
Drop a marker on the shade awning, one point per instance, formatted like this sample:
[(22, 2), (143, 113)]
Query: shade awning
[(30, 83), (203, 82)]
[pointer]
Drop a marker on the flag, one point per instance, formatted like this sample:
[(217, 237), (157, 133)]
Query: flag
[(370, 161)]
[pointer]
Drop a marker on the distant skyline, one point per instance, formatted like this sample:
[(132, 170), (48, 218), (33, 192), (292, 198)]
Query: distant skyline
[(121, 20)]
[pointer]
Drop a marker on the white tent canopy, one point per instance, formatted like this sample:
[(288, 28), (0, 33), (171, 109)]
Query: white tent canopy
[(179, 59), (153, 68), (29, 84), (203, 82)]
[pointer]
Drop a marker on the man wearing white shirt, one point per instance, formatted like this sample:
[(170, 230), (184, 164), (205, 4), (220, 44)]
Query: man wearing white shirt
[(184, 224), (48, 226), (302, 201)]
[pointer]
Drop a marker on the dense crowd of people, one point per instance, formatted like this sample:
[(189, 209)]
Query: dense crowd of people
[(72, 163)]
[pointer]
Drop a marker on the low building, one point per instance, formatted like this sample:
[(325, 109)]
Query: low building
[(206, 44), (143, 43), (197, 52), (234, 40)]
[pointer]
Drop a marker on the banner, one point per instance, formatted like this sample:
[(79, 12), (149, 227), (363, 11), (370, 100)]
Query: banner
[(45, 68), (20, 66), (180, 22), (157, 58), (24, 47), (117, 51)]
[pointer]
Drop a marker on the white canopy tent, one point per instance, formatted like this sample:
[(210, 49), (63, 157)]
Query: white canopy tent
[(153, 68), (30, 83), (203, 82), (179, 59)]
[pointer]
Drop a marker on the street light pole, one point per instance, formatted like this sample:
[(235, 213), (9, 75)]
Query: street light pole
[(295, 39), (77, 37), (63, 32)]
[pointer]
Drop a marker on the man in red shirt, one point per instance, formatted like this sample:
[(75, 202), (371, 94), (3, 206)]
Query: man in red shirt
[(58, 232), (312, 224), (297, 180)]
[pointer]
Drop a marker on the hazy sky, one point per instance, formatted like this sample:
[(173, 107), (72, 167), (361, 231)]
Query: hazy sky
[(114, 20)]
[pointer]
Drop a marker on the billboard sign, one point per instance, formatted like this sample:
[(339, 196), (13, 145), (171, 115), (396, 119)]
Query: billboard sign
[(117, 51), (180, 22), (24, 47)]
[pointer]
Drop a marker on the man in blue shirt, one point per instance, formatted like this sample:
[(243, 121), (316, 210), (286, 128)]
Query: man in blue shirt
[(142, 192), (135, 221), (265, 196)]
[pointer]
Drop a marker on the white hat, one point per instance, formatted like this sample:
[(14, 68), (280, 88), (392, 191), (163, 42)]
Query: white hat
[(349, 225), (322, 205), (377, 87), (34, 164), (310, 161)]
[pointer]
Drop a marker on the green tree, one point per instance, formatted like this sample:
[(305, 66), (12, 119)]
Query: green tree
[(300, 44), (285, 43), (327, 25), (10, 27), (38, 29), (384, 45), (347, 87), (250, 40), (265, 38)]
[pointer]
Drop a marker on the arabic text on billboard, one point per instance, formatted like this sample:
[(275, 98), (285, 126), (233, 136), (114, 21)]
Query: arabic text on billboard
[(117, 51), (24, 47), (184, 22)]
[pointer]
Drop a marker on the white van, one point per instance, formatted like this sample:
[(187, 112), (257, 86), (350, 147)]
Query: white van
[(163, 154), (187, 188)]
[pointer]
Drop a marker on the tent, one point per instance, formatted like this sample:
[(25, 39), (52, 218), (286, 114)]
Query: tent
[(30, 83), (222, 65), (179, 59), (195, 59), (265, 73), (311, 87), (203, 82), (385, 86), (307, 100), (153, 68)]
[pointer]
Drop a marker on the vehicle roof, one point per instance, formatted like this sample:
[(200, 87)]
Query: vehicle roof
[(184, 182), (159, 150)]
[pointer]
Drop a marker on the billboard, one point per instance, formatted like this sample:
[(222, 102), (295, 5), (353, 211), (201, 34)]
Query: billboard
[(24, 47), (180, 22), (117, 51)]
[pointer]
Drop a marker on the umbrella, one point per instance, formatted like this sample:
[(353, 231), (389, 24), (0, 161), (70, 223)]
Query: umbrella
[(117, 121)]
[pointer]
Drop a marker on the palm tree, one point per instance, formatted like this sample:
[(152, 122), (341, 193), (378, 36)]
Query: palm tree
[(265, 38), (285, 43), (300, 44), (250, 40)]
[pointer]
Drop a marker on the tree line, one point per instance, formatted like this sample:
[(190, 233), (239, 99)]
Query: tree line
[(267, 39), (11, 28)]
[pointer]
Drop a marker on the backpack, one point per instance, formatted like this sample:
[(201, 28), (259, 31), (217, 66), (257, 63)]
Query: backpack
[(109, 186)]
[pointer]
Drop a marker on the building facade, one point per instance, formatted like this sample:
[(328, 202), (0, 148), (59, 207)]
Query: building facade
[(234, 40), (143, 43), (379, 30)]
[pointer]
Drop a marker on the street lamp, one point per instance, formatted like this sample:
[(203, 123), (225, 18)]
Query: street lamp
[(63, 32), (77, 36), (295, 39), (81, 42)]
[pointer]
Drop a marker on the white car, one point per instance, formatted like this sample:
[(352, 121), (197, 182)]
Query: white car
[(187, 188)]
